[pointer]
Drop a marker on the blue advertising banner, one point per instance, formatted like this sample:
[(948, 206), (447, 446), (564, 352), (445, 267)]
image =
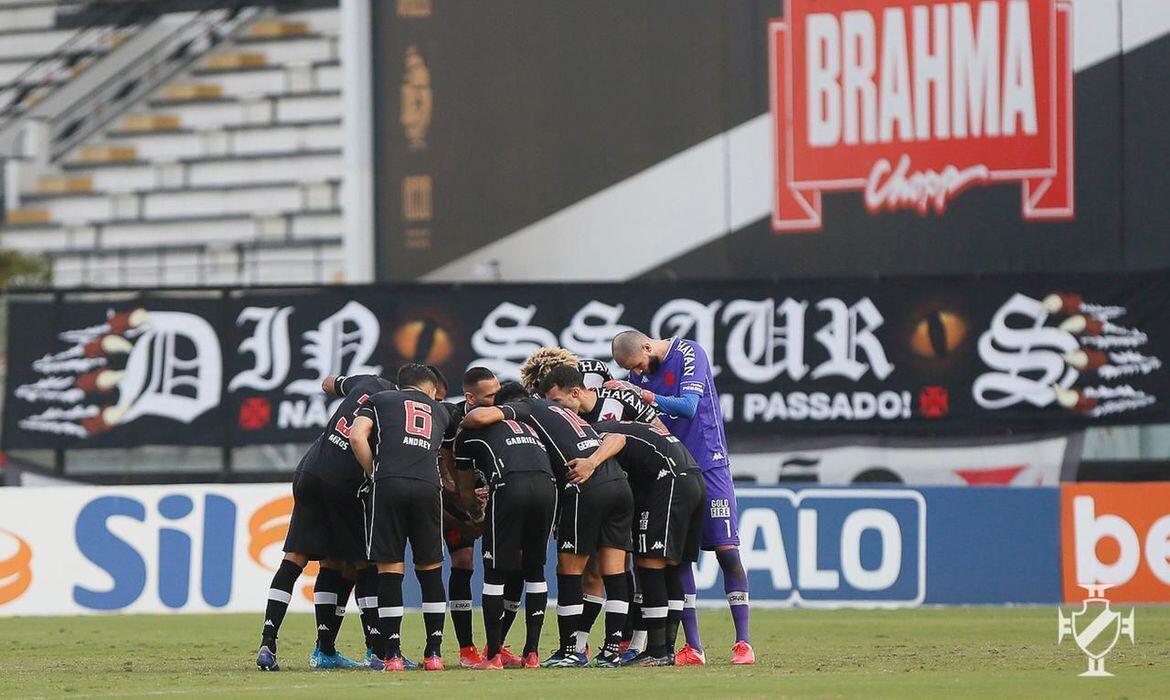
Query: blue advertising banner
[(210, 548)]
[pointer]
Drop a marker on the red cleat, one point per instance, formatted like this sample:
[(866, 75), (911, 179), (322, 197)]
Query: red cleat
[(394, 664), (492, 664), (742, 654), (687, 656), (433, 663), (508, 659), (531, 660), (469, 657)]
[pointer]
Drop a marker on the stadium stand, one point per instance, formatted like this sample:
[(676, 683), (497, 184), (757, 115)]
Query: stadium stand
[(225, 172)]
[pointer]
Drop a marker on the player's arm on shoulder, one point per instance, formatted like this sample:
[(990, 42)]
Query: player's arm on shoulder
[(582, 468), (359, 439), (482, 417)]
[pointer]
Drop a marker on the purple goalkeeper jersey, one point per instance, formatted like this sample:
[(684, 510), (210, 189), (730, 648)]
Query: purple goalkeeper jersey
[(685, 370)]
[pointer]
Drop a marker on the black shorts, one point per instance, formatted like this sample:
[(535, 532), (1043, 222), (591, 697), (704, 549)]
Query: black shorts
[(405, 510), (599, 516), (670, 519), (518, 521), (327, 522)]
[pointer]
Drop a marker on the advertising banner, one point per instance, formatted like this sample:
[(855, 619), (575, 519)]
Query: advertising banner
[(975, 355), (1116, 534), (81, 550)]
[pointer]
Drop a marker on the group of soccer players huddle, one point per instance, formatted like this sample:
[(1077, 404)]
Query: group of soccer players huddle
[(630, 478)]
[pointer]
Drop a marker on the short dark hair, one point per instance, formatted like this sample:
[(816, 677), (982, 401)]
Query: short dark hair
[(509, 392), (416, 375), (438, 376), (565, 377), (475, 375)]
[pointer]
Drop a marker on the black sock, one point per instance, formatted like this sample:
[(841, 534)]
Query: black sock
[(459, 587), (343, 594), (654, 609), (569, 608), (513, 589), (634, 619), (535, 602), (390, 613), (366, 588), (674, 603), (617, 607), (279, 595), (592, 606), (492, 601), (434, 607)]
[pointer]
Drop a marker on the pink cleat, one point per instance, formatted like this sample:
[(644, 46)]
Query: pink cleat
[(742, 654)]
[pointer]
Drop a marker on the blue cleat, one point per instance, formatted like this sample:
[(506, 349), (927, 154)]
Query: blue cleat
[(628, 657), (607, 659), (266, 660), (319, 661), (561, 659)]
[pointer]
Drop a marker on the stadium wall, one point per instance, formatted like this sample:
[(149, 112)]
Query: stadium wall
[(87, 550), (628, 140)]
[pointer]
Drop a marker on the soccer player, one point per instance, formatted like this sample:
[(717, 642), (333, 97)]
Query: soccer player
[(674, 375), (514, 462), (565, 385), (669, 499), (326, 526), (596, 515), (408, 428), (543, 360), (479, 389)]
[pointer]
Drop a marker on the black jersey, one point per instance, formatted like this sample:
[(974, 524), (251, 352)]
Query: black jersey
[(650, 452), (329, 457), (409, 427), (565, 435), (500, 450), (620, 404), (595, 372)]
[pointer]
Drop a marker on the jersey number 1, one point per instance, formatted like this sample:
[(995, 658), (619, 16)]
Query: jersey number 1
[(418, 419)]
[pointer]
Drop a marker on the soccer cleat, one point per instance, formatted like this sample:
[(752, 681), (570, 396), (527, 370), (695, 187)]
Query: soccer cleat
[(394, 663), (623, 646), (433, 663), (531, 660), (561, 659), (645, 659), (607, 659), (508, 659), (469, 657), (322, 662), (687, 656), (742, 654), (266, 660), (628, 657), (492, 664)]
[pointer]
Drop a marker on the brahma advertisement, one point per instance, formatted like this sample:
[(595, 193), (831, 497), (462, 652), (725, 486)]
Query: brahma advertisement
[(765, 139)]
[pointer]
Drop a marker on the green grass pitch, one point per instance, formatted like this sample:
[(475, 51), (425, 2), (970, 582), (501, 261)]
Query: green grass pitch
[(926, 653)]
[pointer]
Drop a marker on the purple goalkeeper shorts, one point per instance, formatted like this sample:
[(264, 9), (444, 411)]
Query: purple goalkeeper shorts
[(721, 516)]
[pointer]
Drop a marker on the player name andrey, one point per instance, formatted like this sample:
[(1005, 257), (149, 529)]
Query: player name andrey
[(416, 442)]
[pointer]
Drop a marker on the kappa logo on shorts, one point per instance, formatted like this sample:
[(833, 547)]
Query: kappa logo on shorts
[(567, 545), (657, 545), (487, 556), (662, 473)]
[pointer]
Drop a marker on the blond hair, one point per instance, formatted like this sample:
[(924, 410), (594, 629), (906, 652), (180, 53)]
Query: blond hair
[(540, 362)]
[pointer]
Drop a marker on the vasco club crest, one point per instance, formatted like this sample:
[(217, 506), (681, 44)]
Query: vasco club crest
[(1095, 627), (915, 102)]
